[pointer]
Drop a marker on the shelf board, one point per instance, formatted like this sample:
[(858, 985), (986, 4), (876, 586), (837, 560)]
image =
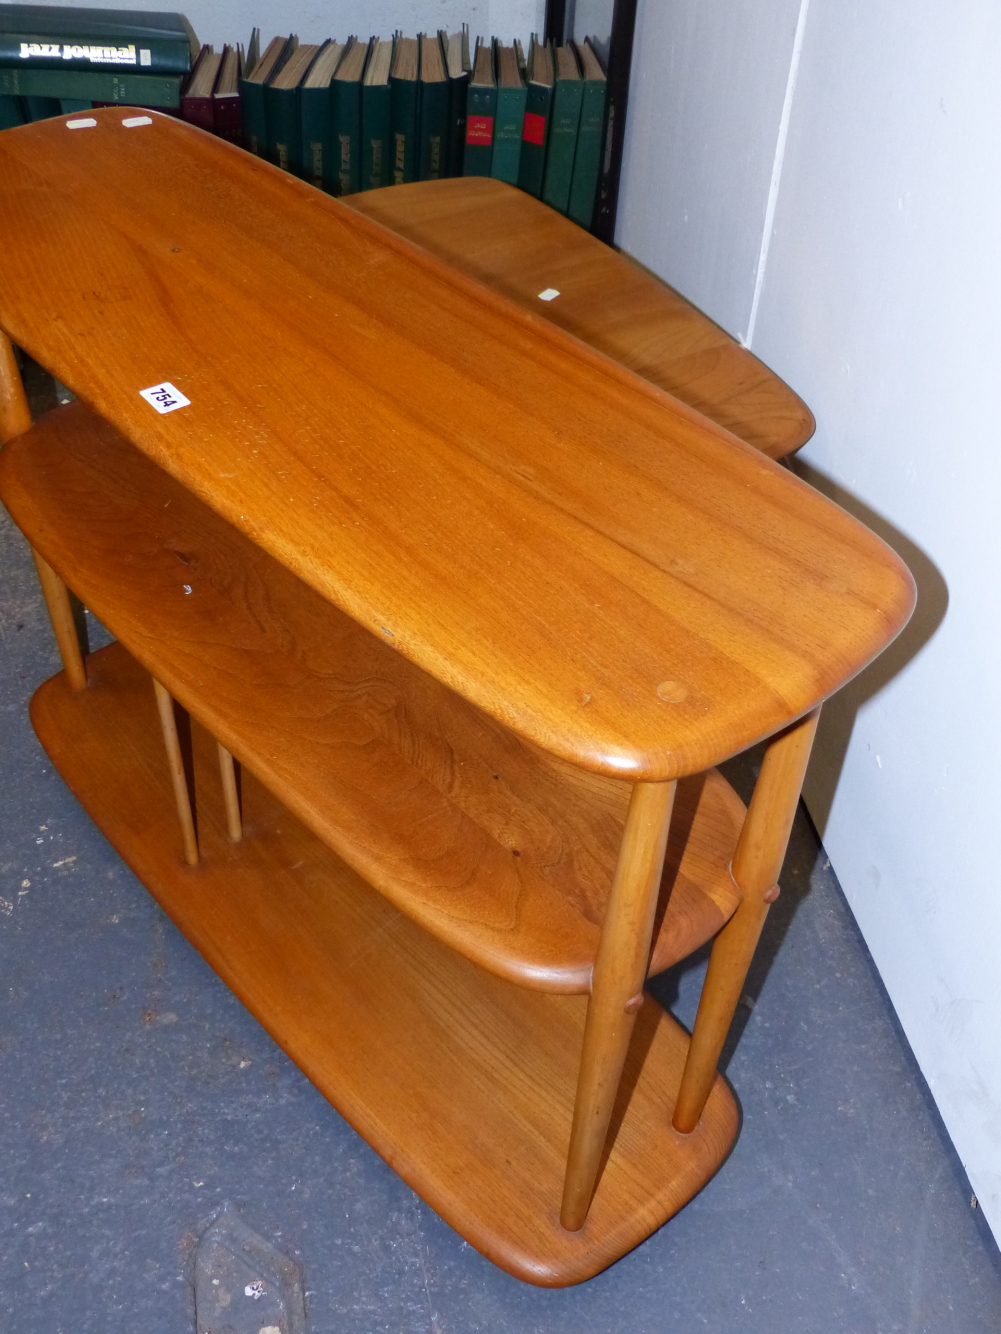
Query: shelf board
[(463, 1082), (505, 853), (518, 246)]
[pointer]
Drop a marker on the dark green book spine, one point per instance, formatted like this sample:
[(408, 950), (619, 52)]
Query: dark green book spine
[(43, 108), (255, 125), (434, 127), (345, 97), (508, 126), (535, 137), (317, 156), (457, 93), (562, 143), (12, 113), (141, 90), (375, 122), (481, 110), (284, 141), (403, 130), (144, 55), (587, 159), (69, 106)]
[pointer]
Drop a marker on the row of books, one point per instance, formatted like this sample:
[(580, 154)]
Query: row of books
[(360, 115), (346, 116)]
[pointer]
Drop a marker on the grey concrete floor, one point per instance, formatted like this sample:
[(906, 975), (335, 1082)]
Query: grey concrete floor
[(137, 1095)]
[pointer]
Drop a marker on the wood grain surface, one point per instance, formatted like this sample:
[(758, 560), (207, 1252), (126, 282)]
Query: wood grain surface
[(463, 1083), (499, 849), (566, 546), (519, 247)]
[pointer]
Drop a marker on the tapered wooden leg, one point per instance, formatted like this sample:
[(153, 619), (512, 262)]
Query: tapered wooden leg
[(616, 989), (178, 778), (57, 599), (230, 792), (761, 849), (15, 416)]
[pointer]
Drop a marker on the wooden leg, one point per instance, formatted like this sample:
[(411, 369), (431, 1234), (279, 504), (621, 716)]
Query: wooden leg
[(178, 778), (616, 989), (757, 862), (57, 599), (15, 416), (230, 792)]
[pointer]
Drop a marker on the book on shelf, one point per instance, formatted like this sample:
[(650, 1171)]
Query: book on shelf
[(457, 65), (62, 37), (403, 97), (590, 138), (12, 112), (226, 110), (281, 109), (538, 107), (510, 116), (151, 90), (481, 109), (564, 120), (196, 104), (42, 108), (345, 96), (317, 152), (253, 84), (432, 152), (376, 153)]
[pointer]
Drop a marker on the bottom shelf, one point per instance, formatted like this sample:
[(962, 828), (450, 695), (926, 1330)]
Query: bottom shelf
[(463, 1082)]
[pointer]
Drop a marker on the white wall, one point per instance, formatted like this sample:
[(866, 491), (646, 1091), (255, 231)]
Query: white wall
[(220, 21), (878, 299)]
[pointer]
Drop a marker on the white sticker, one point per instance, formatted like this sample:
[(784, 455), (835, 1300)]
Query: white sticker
[(145, 57), (131, 121), (164, 397), (84, 124), (548, 294)]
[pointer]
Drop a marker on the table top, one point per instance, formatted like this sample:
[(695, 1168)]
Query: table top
[(566, 546)]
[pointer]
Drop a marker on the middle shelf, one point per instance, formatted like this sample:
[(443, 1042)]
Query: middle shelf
[(500, 850)]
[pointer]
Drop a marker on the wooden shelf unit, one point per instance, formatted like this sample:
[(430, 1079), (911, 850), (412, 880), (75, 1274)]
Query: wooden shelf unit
[(481, 607)]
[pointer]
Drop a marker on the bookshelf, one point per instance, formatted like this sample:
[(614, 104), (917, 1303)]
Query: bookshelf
[(476, 610)]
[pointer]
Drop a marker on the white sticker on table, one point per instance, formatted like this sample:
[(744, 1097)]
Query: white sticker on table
[(549, 294), (86, 123), (130, 122), (164, 397)]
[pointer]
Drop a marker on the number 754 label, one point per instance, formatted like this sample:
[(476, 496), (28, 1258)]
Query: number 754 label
[(164, 397)]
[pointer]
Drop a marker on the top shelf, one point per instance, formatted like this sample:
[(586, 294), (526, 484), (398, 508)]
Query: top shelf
[(571, 550)]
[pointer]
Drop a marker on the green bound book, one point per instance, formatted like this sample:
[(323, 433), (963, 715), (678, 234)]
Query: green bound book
[(12, 113), (317, 155), (281, 110), (142, 90), (510, 117), (432, 153), (403, 98), (376, 153), (70, 106), (345, 96), (481, 109), (590, 136), (564, 121), (66, 38), (43, 108), (457, 67), (538, 107), (252, 85)]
